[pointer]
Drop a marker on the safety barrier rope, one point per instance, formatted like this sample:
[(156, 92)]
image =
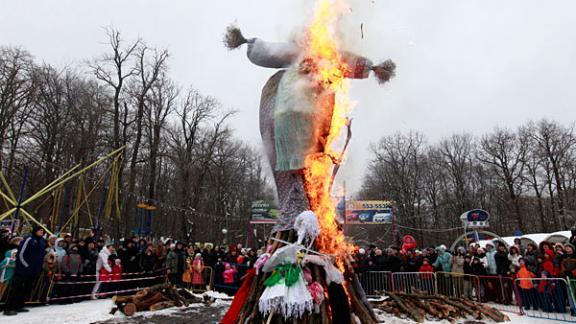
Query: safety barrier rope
[(104, 294), (107, 281), (122, 274)]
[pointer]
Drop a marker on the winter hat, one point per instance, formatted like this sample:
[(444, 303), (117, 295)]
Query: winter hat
[(490, 243), (197, 255), (569, 245), (36, 229), (559, 245)]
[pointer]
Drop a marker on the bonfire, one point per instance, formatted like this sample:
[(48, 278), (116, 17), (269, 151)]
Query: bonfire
[(306, 275)]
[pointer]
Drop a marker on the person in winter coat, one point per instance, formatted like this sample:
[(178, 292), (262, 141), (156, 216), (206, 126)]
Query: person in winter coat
[(444, 263), (458, 260), (173, 267), (229, 274), (60, 251), (409, 262), (569, 262), (394, 262), (72, 263), (89, 267), (29, 259), (491, 284), (530, 257), (481, 255), (490, 257), (545, 263), (502, 261), (197, 271), (116, 274), (7, 267), (103, 270), (514, 258), (550, 294), (503, 286), (458, 267), (526, 286), (444, 259), (558, 257), (573, 236), (148, 260), (426, 281)]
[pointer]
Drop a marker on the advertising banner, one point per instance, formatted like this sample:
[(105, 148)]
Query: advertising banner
[(368, 212), (263, 212)]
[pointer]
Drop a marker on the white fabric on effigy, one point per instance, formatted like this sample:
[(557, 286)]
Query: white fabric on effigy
[(306, 225), (291, 301), (272, 55), (332, 273)]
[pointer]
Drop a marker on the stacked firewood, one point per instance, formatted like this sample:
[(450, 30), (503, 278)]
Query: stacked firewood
[(420, 307), (355, 300), (153, 298)]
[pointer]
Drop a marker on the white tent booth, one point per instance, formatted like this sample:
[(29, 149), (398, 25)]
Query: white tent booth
[(559, 237)]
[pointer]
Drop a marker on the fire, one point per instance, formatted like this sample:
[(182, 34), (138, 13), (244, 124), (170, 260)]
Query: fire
[(332, 104)]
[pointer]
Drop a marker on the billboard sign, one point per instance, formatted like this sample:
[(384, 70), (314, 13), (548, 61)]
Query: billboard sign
[(263, 212), (368, 212), (475, 218)]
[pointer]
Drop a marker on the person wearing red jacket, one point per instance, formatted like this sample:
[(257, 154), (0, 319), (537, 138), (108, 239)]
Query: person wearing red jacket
[(426, 277), (117, 270)]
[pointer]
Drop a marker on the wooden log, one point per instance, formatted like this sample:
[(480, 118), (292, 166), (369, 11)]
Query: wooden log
[(122, 299), (161, 305), (357, 307), (414, 315), (487, 311), (154, 298), (129, 309)]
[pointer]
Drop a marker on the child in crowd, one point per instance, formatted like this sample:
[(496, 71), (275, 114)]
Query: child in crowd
[(526, 286), (7, 267)]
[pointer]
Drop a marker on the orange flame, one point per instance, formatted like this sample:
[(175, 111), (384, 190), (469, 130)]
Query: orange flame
[(328, 72)]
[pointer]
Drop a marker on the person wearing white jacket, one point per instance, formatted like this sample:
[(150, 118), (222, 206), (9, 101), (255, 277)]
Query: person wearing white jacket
[(102, 262)]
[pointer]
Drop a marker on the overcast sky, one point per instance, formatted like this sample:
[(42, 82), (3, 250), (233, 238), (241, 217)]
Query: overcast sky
[(462, 65)]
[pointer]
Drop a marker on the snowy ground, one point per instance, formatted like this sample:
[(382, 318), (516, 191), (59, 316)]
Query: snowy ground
[(97, 311), (514, 319)]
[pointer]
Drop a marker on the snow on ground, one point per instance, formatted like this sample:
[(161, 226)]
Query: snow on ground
[(514, 319), (79, 313), (98, 311)]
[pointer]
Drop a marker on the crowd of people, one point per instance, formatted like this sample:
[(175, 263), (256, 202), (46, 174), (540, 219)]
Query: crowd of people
[(534, 266), (29, 264)]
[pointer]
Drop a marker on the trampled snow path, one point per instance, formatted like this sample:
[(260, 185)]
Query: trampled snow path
[(98, 311)]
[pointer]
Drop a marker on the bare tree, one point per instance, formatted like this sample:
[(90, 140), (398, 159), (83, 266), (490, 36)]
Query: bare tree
[(505, 153)]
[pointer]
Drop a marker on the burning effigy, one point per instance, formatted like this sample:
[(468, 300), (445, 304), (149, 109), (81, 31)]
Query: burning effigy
[(306, 275)]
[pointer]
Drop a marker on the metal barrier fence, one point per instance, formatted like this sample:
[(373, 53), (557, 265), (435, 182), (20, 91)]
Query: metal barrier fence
[(502, 293), (409, 282), (374, 282), (547, 298), (459, 285)]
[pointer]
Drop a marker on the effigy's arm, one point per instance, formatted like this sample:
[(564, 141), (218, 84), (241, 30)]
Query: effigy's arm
[(282, 55), (359, 67)]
